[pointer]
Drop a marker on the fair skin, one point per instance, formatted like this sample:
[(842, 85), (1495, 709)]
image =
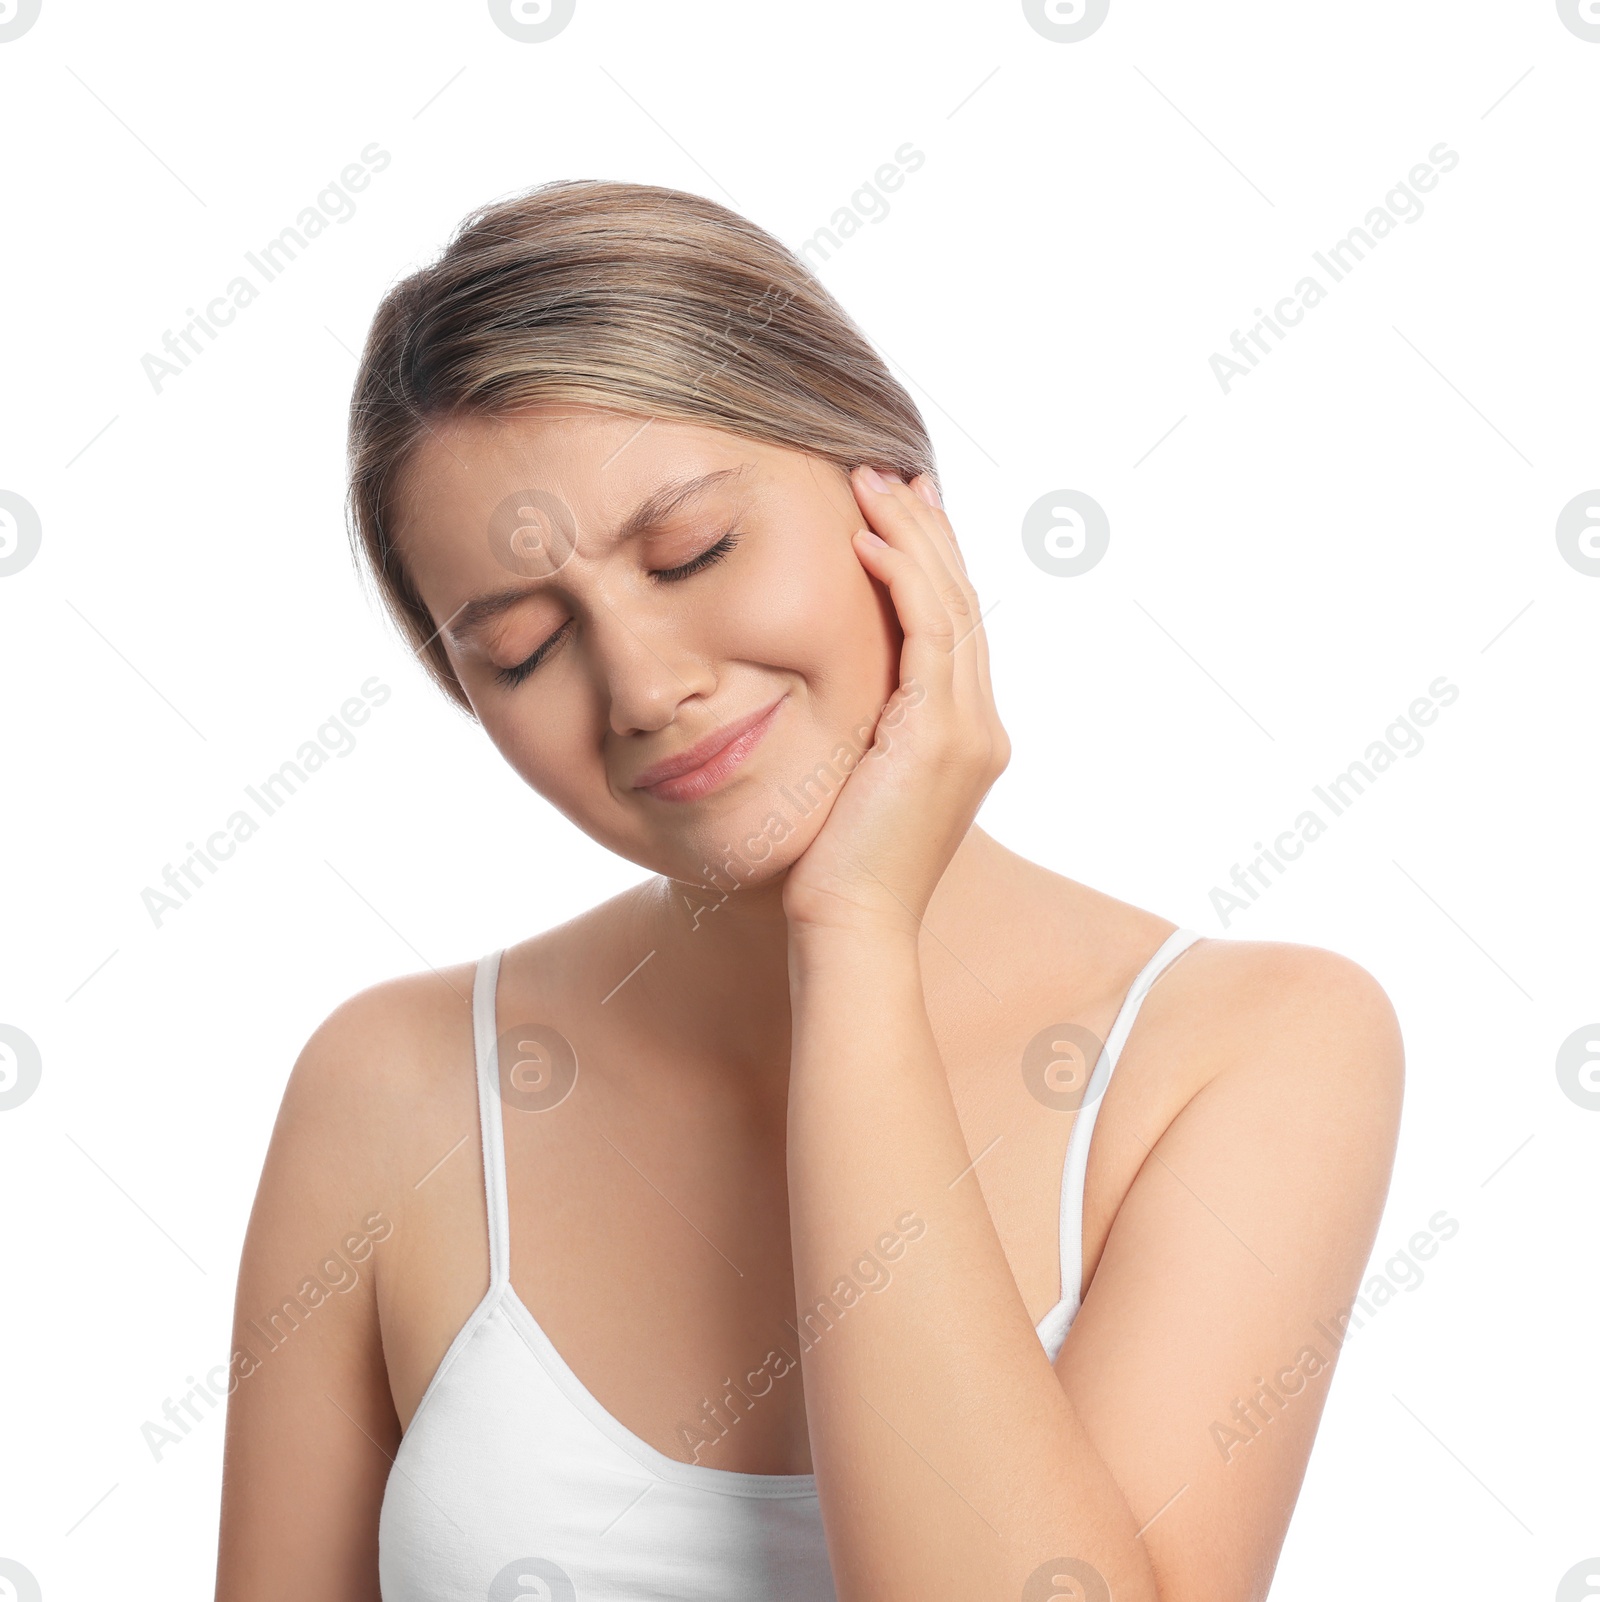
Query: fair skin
[(834, 1045)]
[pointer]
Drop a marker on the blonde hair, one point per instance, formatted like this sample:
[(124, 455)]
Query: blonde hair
[(626, 297)]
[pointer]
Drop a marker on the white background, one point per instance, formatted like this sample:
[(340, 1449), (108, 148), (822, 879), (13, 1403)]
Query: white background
[(1290, 567)]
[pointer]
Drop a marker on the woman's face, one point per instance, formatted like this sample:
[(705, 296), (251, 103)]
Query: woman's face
[(614, 593)]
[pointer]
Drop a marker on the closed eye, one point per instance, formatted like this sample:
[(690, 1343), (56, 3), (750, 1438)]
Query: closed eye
[(713, 553)]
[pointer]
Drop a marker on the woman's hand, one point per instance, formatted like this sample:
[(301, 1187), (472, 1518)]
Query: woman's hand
[(939, 744)]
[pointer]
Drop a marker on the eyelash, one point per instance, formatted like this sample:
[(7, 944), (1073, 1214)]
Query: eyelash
[(713, 553)]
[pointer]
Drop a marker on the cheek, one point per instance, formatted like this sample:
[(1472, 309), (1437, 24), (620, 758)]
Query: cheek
[(557, 758), (810, 607)]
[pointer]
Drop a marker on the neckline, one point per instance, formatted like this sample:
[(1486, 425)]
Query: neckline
[(734, 1482), (737, 1482), (502, 1293)]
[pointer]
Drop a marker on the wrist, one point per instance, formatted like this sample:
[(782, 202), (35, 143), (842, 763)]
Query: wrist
[(860, 944)]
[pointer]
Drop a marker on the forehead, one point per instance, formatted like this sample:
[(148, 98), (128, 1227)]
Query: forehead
[(598, 464)]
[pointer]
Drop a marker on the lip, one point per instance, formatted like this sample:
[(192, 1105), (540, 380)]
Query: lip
[(709, 761)]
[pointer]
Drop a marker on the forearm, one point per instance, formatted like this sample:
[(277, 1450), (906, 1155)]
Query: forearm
[(949, 1459)]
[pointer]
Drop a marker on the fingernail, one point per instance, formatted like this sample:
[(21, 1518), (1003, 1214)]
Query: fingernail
[(929, 491), (877, 480), (871, 536)]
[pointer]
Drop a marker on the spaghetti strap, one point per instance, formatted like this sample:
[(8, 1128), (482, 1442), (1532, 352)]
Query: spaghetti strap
[(1076, 1166), (509, 1452), (487, 1054)]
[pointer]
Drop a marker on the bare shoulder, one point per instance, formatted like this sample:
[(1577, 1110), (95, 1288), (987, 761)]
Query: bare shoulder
[(1225, 1002), (1309, 1030), (385, 1085), (376, 1080), (1293, 1042), (1265, 1004)]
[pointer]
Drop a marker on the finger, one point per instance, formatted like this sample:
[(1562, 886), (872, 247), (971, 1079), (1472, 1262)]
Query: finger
[(904, 510), (938, 523), (896, 512), (903, 517), (928, 492), (926, 657)]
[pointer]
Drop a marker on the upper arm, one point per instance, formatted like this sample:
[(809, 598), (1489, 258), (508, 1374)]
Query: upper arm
[(1201, 1359), (311, 1425)]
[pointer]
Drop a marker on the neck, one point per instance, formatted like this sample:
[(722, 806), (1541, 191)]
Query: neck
[(718, 972)]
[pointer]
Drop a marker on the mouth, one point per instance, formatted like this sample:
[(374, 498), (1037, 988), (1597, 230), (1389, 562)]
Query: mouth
[(708, 763)]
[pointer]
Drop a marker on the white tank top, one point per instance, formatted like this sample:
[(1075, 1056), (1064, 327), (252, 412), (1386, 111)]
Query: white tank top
[(512, 1481)]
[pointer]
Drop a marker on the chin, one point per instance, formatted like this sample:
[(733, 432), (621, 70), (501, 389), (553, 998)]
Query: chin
[(751, 845)]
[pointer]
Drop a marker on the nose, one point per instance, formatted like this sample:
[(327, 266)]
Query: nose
[(645, 667)]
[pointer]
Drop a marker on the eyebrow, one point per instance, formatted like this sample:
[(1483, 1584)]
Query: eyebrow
[(654, 510)]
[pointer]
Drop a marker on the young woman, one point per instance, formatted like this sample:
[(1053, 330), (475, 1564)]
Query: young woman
[(743, 1237)]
